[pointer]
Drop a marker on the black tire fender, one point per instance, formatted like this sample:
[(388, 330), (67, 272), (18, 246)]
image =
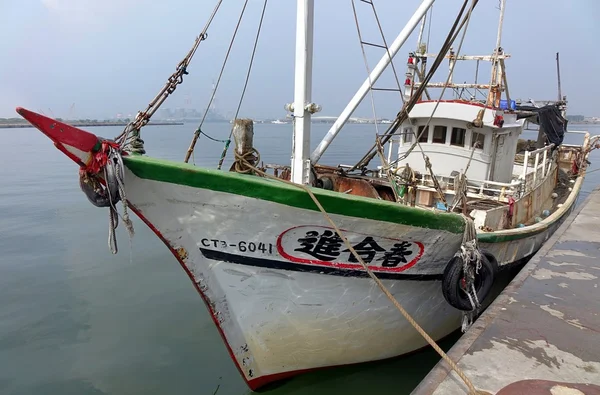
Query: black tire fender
[(452, 282), (96, 193)]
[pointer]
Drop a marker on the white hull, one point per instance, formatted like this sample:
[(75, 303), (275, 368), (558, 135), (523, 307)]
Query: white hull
[(277, 322), (282, 311)]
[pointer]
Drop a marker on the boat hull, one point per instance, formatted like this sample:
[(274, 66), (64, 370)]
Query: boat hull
[(283, 308), (282, 311), (513, 245)]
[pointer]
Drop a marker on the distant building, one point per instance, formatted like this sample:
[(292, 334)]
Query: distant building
[(575, 118), (192, 115)]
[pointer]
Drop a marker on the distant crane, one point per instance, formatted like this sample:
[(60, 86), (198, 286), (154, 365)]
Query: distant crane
[(70, 111)]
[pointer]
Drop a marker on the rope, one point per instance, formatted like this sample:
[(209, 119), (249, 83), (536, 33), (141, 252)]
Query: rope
[(417, 143), (386, 167), (403, 114), (212, 138), (471, 258), (362, 47), (462, 186), (214, 92), (115, 161), (407, 316), (228, 141), (262, 16), (143, 117), (387, 50), (243, 162), (428, 164)]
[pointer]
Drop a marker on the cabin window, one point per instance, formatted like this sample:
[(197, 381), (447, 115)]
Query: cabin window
[(458, 137), (424, 134), (408, 135), (479, 139), (439, 134)]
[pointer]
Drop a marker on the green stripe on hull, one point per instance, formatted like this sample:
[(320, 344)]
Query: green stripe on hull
[(260, 188)]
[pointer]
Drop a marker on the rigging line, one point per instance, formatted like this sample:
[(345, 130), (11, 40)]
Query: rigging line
[(262, 15), (362, 47), (224, 153), (212, 96), (403, 113), (142, 118), (387, 51), (373, 276), (429, 27), (464, 33), (186, 61)]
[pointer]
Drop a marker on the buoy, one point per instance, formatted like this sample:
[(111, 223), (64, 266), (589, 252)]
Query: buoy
[(520, 226), (559, 205), (554, 195), (538, 219), (546, 213)]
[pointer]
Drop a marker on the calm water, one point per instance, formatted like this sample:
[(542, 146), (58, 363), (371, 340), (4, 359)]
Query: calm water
[(74, 319)]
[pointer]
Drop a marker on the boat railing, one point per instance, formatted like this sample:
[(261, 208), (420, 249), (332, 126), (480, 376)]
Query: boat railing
[(494, 189), (532, 176), (487, 189)]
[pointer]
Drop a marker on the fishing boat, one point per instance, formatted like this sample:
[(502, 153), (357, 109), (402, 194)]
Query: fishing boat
[(285, 256)]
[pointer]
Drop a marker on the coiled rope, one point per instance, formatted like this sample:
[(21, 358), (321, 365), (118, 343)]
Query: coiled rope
[(471, 258), (114, 168), (419, 329)]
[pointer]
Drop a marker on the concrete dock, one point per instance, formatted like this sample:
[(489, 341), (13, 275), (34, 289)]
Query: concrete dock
[(542, 334)]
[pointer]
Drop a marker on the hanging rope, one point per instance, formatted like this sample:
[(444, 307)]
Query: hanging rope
[(115, 167), (382, 287), (362, 47), (362, 43), (129, 139), (403, 114), (472, 261), (212, 96), (428, 164), (228, 141)]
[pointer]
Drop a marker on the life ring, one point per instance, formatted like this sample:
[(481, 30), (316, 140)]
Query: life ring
[(453, 282)]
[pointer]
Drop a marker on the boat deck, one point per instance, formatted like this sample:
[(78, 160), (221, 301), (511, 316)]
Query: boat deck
[(545, 326)]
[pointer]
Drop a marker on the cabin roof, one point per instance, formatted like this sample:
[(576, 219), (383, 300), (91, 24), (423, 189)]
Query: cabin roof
[(463, 111)]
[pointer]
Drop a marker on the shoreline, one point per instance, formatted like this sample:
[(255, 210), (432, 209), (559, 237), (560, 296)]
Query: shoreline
[(88, 124)]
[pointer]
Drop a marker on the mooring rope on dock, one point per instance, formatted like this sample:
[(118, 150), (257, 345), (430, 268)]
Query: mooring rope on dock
[(242, 162)]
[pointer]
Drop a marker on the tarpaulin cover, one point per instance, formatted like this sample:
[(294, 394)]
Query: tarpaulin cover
[(550, 120)]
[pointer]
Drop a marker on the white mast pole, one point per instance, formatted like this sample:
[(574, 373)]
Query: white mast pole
[(302, 94), (375, 74)]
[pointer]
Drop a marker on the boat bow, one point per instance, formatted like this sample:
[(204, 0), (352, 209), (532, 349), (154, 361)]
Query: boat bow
[(77, 144)]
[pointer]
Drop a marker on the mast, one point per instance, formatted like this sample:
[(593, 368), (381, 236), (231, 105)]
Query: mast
[(302, 106), (494, 97), (373, 77), (500, 23), (558, 74), (421, 29)]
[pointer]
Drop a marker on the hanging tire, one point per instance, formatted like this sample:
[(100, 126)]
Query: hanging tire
[(452, 283)]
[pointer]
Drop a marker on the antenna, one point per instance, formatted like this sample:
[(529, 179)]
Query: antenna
[(213, 104), (558, 74), (70, 114)]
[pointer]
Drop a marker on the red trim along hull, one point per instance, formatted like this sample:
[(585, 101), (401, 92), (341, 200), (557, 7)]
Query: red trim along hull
[(257, 383)]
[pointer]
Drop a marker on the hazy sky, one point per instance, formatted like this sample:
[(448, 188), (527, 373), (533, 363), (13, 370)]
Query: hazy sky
[(111, 56)]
